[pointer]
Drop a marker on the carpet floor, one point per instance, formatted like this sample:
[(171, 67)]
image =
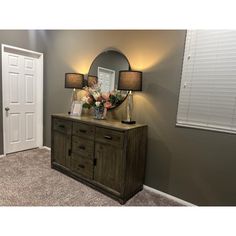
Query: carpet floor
[(26, 179)]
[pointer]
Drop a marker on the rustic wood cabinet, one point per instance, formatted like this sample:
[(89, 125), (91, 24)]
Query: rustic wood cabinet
[(62, 139), (106, 155)]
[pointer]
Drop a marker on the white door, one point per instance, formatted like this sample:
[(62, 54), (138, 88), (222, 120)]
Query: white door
[(20, 77)]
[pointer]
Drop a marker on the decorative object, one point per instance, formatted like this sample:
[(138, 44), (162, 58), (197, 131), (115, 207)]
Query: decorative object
[(76, 109), (99, 112), (74, 81), (100, 101), (108, 156), (130, 81), (105, 70)]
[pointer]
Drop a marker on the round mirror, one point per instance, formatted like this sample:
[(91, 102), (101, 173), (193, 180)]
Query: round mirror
[(105, 70)]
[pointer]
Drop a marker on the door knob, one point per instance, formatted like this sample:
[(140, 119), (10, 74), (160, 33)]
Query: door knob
[(7, 108)]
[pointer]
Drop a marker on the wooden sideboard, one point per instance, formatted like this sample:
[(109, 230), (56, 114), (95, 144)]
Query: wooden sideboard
[(104, 154)]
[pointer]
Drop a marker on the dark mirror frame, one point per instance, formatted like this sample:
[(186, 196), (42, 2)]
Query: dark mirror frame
[(99, 55)]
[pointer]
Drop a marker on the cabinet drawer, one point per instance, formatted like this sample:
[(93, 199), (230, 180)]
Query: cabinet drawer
[(83, 146), (109, 136), (62, 126), (81, 165), (83, 130)]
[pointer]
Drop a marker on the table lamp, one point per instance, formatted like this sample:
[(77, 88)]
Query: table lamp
[(130, 80), (74, 81), (92, 80)]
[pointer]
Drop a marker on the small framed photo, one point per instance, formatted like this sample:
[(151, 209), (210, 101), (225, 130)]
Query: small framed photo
[(76, 108)]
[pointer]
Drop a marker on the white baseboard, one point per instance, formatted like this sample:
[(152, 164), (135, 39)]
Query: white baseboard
[(168, 196), (45, 147), (1, 156)]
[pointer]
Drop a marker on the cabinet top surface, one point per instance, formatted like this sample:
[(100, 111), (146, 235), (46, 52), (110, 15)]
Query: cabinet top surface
[(104, 123)]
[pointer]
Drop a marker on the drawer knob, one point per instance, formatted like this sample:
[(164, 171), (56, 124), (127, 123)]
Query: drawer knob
[(107, 137), (61, 126)]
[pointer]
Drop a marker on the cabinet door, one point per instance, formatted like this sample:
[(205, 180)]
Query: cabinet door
[(109, 166), (61, 147)]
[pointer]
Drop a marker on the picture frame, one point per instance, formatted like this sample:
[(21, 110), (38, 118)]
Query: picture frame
[(76, 108)]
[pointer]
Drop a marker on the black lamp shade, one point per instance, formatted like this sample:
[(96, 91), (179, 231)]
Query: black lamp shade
[(92, 80), (74, 80), (130, 80)]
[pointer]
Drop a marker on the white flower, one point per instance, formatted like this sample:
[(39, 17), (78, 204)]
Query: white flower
[(97, 104), (96, 95)]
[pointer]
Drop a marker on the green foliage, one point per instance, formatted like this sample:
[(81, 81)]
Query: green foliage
[(86, 105), (115, 99)]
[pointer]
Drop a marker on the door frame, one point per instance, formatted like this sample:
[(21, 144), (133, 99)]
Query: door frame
[(39, 85)]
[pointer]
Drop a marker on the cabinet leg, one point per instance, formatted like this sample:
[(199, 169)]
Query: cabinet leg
[(121, 201)]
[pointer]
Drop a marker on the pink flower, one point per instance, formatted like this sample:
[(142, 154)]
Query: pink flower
[(106, 96), (107, 105)]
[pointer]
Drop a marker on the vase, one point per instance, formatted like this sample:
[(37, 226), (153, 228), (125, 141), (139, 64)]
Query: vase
[(100, 113)]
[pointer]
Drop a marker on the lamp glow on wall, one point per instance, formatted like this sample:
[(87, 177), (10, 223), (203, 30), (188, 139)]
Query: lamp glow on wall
[(74, 81), (130, 81)]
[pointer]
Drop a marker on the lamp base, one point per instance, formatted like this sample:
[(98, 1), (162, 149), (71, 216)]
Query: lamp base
[(130, 122)]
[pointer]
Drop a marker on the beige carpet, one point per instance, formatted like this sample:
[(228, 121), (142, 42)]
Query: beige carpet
[(26, 179)]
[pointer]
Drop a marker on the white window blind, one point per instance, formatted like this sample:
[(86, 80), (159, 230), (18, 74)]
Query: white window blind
[(207, 97)]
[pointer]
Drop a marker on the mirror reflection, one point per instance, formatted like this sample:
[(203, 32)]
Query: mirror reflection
[(106, 67), (105, 71)]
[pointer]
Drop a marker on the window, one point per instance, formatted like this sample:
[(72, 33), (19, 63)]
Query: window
[(207, 97)]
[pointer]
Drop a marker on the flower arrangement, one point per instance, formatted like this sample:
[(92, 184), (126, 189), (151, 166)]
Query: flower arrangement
[(100, 101)]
